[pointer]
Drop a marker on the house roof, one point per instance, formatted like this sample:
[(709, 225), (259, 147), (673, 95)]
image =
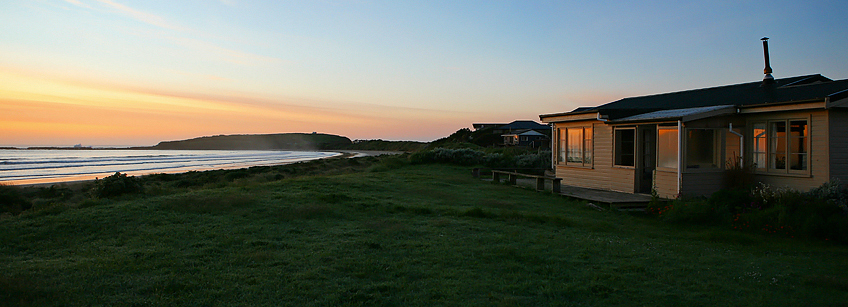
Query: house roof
[(523, 124), (685, 115), (525, 132), (786, 90)]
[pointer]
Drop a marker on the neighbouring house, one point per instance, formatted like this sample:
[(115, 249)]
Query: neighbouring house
[(793, 132), (526, 138), (525, 133)]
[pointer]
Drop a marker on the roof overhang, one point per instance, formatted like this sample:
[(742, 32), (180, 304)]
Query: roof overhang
[(570, 117), (785, 106), (684, 115), (838, 100)]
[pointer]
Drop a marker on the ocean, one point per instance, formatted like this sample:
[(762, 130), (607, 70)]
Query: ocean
[(48, 165)]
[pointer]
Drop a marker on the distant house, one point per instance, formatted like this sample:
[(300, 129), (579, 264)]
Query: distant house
[(526, 138), (792, 131), (525, 133)]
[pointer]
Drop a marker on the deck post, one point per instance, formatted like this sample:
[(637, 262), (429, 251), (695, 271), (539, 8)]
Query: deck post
[(556, 187), (540, 183)]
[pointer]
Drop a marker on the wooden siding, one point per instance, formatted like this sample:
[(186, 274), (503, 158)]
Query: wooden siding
[(838, 144), (819, 152), (665, 183), (602, 175)]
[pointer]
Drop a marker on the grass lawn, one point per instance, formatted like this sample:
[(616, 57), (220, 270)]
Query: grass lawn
[(425, 235)]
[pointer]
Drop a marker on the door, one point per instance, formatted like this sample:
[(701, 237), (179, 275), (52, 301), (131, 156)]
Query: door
[(646, 158)]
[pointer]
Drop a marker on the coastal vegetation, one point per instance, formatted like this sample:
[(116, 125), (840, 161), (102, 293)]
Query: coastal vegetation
[(383, 231)]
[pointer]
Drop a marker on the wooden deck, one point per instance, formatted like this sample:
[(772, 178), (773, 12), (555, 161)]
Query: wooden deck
[(612, 199)]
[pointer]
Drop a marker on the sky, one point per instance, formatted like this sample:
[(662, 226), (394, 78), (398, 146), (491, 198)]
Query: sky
[(122, 72)]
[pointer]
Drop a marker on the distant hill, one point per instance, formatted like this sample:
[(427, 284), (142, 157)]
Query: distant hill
[(289, 141)]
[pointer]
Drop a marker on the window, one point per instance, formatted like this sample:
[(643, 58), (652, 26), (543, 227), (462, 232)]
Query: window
[(562, 145), (798, 134), (759, 149), (575, 146), (625, 147), (781, 145), (702, 149), (667, 147)]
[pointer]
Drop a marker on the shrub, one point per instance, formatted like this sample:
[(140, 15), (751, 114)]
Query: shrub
[(467, 156), (819, 213), (12, 200), (116, 185), (693, 211)]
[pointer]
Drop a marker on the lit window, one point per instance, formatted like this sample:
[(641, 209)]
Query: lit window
[(667, 147), (575, 146), (781, 145), (759, 148)]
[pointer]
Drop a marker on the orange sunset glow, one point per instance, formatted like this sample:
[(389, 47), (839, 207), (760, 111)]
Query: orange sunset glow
[(134, 73)]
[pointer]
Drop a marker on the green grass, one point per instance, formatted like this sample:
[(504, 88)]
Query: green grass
[(394, 236)]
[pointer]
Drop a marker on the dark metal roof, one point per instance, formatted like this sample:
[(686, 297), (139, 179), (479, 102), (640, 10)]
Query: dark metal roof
[(786, 90), (523, 124)]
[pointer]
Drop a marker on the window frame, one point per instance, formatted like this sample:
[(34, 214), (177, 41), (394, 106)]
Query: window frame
[(770, 150), (677, 148), (586, 146), (717, 153), (616, 150)]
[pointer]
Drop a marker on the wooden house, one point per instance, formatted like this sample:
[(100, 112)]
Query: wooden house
[(793, 132), (526, 138)]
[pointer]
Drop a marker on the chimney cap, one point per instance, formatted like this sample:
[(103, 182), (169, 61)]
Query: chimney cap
[(764, 39)]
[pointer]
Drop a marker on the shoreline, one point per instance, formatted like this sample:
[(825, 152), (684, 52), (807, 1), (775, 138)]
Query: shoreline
[(83, 179)]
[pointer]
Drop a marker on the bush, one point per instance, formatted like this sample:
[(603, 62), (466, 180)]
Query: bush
[(116, 185), (12, 200), (819, 213), (693, 211), (467, 156)]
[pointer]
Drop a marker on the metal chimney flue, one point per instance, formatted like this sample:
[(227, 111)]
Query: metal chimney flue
[(768, 79)]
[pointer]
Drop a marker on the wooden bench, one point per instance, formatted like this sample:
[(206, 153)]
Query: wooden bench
[(556, 183)]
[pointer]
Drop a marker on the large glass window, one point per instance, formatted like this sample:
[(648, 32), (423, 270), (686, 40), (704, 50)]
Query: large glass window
[(667, 147), (701, 148), (759, 146), (587, 145), (625, 146), (575, 146), (563, 145), (781, 145), (777, 150)]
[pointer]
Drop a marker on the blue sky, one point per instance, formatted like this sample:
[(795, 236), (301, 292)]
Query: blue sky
[(120, 72)]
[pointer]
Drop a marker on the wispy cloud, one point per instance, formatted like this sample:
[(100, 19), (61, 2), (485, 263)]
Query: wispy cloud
[(230, 55), (185, 36), (78, 3), (145, 17)]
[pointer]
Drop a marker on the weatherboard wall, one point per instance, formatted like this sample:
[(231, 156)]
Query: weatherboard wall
[(601, 174), (838, 155)]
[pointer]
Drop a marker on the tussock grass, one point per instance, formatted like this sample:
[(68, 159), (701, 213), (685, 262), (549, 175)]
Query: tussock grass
[(410, 235)]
